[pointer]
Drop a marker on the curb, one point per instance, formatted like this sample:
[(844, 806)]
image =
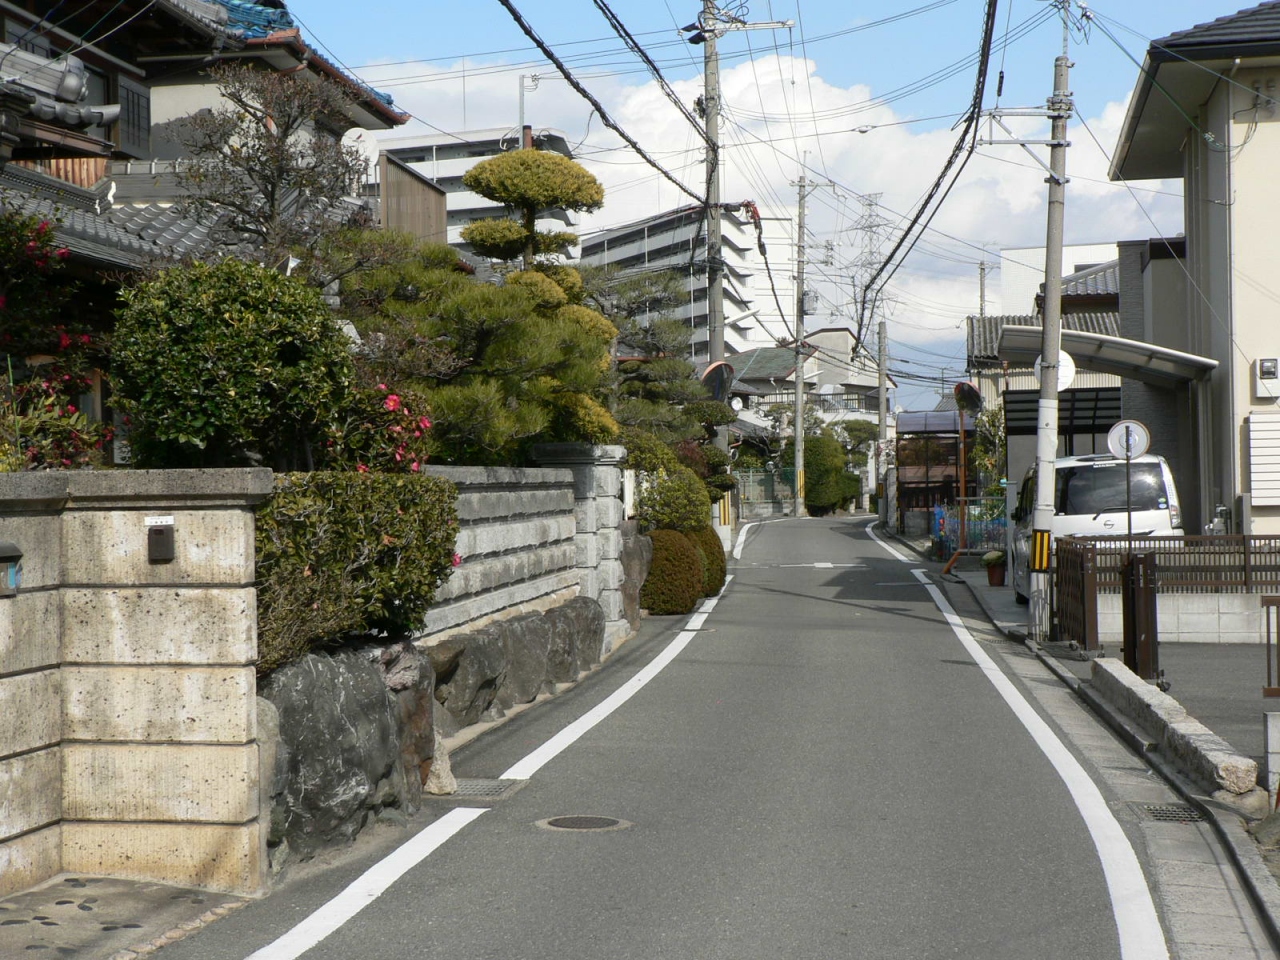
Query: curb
[(1260, 884)]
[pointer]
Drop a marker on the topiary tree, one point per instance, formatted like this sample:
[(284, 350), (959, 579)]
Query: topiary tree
[(675, 582), (828, 485), (228, 364), (528, 181)]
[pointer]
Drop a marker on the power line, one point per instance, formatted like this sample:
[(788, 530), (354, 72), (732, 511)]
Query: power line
[(607, 120)]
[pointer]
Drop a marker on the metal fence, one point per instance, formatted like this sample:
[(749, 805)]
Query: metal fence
[(766, 486), (984, 525), (1088, 566)]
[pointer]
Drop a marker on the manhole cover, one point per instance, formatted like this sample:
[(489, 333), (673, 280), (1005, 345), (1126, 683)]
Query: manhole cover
[(584, 823), (1170, 812)]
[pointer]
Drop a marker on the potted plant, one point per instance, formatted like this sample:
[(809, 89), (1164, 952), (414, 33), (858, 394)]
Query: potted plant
[(993, 560)]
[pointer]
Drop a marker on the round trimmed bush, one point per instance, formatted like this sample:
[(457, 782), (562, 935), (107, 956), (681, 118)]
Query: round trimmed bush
[(675, 579), (716, 567)]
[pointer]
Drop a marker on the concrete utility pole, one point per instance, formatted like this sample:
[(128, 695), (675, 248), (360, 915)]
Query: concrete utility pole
[(710, 24), (715, 262), (1060, 109), (882, 443), (799, 510), (526, 136)]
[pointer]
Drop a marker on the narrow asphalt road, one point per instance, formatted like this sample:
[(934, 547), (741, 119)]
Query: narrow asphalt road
[(825, 770)]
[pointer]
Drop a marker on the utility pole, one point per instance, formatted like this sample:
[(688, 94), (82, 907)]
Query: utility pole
[(1060, 108), (711, 23), (799, 510), (882, 439), (982, 289), (715, 263), (526, 141)]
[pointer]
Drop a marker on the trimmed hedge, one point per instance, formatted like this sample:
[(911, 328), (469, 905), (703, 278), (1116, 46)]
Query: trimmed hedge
[(675, 582), (716, 567), (675, 499), (347, 553)]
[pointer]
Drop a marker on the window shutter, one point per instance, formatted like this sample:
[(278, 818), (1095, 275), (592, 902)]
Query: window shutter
[(134, 127)]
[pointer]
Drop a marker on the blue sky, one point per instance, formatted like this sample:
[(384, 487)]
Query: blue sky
[(792, 96)]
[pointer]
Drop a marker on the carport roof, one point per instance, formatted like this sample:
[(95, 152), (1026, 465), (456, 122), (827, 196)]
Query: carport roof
[(1099, 352)]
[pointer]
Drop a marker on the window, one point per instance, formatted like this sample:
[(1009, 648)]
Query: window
[(133, 130)]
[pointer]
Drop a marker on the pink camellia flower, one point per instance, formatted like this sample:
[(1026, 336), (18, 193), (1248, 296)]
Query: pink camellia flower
[(456, 559), (361, 468), (62, 253), (2, 301), (71, 408), (415, 466), (424, 423), (382, 386), (392, 402), (63, 341)]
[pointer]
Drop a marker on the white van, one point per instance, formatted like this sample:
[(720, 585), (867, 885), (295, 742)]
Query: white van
[(1089, 500)]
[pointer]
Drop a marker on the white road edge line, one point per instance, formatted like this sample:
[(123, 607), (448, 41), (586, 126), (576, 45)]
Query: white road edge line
[(526, 768), (892, 552), (742, 539), (370, 885), (374, 881), (1141, 936)]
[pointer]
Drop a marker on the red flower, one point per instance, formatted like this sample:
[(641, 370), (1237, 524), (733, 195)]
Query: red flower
[(361, 468), (392, 402), (62, 253), (456, 559)]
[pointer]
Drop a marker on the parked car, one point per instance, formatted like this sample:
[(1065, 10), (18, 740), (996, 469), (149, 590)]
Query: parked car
[(1089, 500)]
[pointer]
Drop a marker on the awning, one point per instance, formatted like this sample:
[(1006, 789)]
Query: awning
[(1100, 353)]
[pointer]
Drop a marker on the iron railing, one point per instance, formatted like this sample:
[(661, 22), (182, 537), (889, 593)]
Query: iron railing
[(984, 527)]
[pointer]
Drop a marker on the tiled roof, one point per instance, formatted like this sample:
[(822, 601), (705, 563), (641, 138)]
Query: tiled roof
[(984, 332), (1098, 281), (1260, 24), (765, 363), (91, 235), (256, 20)]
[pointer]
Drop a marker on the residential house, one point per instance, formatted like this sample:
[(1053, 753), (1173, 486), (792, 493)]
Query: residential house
[(1205, 111)]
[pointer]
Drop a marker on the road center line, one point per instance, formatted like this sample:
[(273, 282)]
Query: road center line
[(1141, 936)]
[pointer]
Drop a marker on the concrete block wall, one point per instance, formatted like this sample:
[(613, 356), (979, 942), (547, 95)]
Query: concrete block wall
[(1190, 618), (599, 513), (127, 687), (517, 539)]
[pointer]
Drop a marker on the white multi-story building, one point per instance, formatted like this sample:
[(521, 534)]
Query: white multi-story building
[(677, 240), (445, 157)]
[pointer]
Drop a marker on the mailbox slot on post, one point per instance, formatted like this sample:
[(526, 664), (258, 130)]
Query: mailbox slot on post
[(159, 539), (10, 569)]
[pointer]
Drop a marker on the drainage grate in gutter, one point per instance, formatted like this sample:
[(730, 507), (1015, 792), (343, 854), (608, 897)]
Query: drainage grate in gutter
[(1170, 812), (479, 789), (584, 823)]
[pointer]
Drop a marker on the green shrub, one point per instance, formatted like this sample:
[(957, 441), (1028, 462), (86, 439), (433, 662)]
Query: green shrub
[(675, 580), (226, 364), (645, 452), (828, 485), (346, 553), (715, 566), (672, 500)]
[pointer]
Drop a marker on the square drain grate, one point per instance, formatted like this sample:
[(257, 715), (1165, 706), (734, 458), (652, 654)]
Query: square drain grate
[(1170, 812), (481, 789)]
